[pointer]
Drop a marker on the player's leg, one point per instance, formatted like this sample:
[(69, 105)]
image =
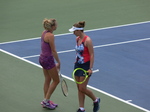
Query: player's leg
[(46, 82), (81, 97), (46, 86), (53, 73), (84, 90), (55, 81)]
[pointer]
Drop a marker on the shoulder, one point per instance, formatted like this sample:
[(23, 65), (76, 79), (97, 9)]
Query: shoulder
[(48, 37), (88, 41), (49, 34)]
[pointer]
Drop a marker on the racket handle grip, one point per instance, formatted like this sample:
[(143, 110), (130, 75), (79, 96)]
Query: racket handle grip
[(97, 70), (94, 71)]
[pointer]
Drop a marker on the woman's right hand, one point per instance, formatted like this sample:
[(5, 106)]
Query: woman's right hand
[(58, 66)]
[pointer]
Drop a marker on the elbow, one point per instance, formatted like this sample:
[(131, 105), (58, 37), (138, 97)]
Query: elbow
[(53, 51), (92, 55)]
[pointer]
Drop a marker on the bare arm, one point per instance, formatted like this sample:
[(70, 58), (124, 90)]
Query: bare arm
[(89, 44)]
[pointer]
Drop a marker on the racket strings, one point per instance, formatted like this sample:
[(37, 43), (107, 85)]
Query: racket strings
[(64, 88)]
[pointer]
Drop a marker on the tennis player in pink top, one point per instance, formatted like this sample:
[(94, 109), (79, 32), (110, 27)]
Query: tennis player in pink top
[(47, 60), (84, 59)]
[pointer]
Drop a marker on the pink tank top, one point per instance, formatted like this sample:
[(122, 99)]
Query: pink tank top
[(45, 47)]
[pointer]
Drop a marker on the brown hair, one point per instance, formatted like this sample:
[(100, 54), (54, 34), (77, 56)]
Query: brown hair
[(80, 24), (48, 23)]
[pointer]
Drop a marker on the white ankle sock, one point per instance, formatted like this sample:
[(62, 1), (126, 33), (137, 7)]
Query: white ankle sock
[(96, 100), (81, 108), (46, 100)]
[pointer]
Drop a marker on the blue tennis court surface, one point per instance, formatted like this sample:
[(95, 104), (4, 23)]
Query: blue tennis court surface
[(122, 54)]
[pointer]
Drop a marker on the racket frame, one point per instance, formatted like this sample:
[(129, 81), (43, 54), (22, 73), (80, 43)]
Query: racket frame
[(85, 74), (62, 80)]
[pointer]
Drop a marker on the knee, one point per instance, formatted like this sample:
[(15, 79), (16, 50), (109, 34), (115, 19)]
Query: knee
[(47, 80), (82, 89), (57, 82)]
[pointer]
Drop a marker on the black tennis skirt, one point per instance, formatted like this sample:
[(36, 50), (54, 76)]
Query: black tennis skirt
[(85, 66)]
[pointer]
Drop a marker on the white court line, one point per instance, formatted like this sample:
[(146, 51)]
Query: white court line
[(105, 45), (85, 31), (59, 52), (125, 42), (129, 100), (126, 102)]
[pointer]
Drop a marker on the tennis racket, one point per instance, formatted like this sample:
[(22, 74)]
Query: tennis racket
[(64, 86), (85, 74)]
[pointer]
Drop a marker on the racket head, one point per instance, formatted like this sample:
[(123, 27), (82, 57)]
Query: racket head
[(85, 73), (64, 87)]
